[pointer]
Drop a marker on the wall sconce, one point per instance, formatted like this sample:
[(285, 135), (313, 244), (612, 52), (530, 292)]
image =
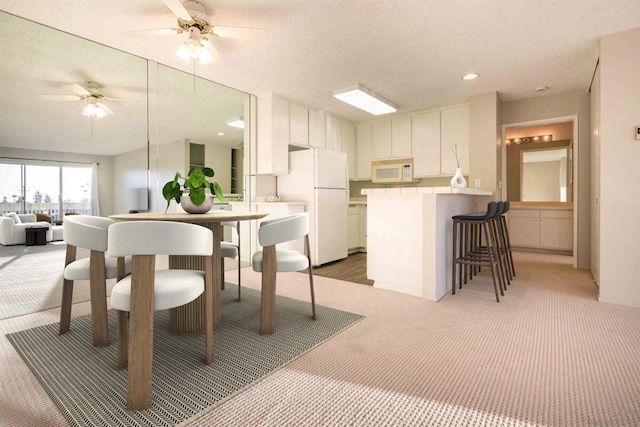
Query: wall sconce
[(527, 139)]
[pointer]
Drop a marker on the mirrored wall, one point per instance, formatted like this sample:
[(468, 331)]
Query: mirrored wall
[(158, 115)]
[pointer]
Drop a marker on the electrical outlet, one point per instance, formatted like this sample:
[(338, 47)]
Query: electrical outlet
[(477, 183)]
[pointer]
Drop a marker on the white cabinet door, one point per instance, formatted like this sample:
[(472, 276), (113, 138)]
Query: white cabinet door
[(317, 128), (524, 228), (381, 140), (363, 150), (299, 124), (425, 144), (363, 229), (334, 134), (353, 227), (349, 147), (273, 135), (401, 137), (556, 230), (454, 130)]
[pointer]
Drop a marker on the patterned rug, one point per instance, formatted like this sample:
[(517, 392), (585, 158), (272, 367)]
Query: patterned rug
[(31, 278), (85, 385)]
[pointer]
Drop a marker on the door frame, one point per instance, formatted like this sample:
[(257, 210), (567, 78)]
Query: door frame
[(576, 147)]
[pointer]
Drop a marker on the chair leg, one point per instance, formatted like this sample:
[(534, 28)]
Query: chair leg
[(222, 275), (67, 293), (123, 341), (65, 308), (313, 297), (453, 258), (98, 290), (492, 262), (268, 294)]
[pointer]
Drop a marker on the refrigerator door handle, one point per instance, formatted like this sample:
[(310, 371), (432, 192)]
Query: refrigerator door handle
[(346, 209)]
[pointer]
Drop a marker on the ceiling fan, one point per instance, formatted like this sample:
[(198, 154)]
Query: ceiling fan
[(90, 93), (193, 19)]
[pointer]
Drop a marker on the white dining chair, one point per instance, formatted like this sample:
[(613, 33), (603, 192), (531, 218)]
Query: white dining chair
[(89, 232), (231, 250), (271, 260)]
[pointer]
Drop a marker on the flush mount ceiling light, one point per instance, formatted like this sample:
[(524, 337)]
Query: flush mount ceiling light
[(236, 122), (364, 99), (470, 76)]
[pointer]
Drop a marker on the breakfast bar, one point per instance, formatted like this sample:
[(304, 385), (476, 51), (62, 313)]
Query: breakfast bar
[(409, 237)]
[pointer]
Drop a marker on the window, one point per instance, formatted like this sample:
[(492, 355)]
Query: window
[(36, 188)]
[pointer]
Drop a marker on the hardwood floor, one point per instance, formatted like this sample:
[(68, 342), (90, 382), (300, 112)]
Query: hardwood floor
[(352, 269)]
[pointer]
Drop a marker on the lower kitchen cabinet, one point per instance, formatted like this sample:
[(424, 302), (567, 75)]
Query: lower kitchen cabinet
[(357, 228)]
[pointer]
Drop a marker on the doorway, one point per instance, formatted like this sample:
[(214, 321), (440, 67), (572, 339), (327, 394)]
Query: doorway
[(531, 155)]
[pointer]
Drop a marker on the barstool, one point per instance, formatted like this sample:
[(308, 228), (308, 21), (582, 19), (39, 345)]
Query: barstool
[(505, 230), (468, 230)]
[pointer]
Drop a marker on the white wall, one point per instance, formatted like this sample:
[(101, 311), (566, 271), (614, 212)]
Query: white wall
[(129, 179), (105, 170), (619, 171), (562, 105)]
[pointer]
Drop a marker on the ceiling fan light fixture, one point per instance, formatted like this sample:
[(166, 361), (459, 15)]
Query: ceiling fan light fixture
[(93, 109), (236, 122), (364, 99)]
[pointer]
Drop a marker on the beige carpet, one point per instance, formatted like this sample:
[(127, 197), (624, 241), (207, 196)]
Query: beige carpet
[(548, 354), (31, 278)]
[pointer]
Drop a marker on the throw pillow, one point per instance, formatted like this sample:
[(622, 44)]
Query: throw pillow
[(43, 217), (15, 217)]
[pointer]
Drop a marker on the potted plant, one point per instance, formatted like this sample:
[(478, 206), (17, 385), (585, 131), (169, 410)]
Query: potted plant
[(191, 192)]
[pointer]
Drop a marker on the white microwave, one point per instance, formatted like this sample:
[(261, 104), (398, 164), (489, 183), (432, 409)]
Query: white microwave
[(392, 170)]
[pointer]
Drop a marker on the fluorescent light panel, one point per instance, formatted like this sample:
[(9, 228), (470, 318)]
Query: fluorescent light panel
[(364, 99), (236, 122)]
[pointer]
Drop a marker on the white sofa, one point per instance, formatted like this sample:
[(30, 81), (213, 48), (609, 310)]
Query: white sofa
[(12, 232)]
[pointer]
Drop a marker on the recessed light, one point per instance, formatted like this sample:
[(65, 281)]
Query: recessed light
[(470, 76), (220, 133)]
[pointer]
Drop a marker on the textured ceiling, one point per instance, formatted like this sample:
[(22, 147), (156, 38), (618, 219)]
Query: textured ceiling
[(411, 52)]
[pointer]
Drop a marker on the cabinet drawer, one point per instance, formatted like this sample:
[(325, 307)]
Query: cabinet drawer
[(524, 213), (556, 214)]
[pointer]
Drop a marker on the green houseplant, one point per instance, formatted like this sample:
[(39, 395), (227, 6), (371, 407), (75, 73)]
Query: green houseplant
[(195, 184)]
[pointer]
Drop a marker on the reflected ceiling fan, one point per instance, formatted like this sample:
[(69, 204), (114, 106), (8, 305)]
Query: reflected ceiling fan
[(194, 20), (90, 93)]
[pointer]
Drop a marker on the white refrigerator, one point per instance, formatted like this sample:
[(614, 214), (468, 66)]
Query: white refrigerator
[(320, 178)]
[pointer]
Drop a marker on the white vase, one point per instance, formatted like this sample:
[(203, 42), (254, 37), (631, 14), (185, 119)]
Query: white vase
[(458, 180), (190, 207)]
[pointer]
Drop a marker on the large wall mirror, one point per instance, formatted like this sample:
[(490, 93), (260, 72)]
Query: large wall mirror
[(540, 163), (151, 104)]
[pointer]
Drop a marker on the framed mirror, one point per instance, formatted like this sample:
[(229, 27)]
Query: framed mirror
[(545, 175)]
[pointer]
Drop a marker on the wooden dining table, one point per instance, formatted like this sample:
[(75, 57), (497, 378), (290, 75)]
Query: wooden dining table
[(188, 318)]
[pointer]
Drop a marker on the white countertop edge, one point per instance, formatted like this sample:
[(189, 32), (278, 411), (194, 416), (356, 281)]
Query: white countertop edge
[(425, 190)]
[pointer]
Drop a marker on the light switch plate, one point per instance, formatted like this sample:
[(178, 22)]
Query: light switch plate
[(477, 183)]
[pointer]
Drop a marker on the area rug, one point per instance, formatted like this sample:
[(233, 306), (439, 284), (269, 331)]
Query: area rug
[(31, 278), (85, 385)]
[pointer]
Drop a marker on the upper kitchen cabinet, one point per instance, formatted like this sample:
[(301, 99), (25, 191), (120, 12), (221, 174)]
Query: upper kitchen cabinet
[(381, 140), (334, 134), (401, 137), (425, 144), (273, 135), (349, 147), (317, 128), (299, 125), (454, 130), (363, 150)]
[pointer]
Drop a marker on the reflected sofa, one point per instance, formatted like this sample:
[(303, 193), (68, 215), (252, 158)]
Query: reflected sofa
[(12, 231)]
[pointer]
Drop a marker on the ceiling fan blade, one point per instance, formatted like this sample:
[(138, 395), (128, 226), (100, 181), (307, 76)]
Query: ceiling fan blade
[(178, 9), (106, 109), (120, 99), (77, 89), (212, 50), (243, 33), (159, 32), (60, 97)]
